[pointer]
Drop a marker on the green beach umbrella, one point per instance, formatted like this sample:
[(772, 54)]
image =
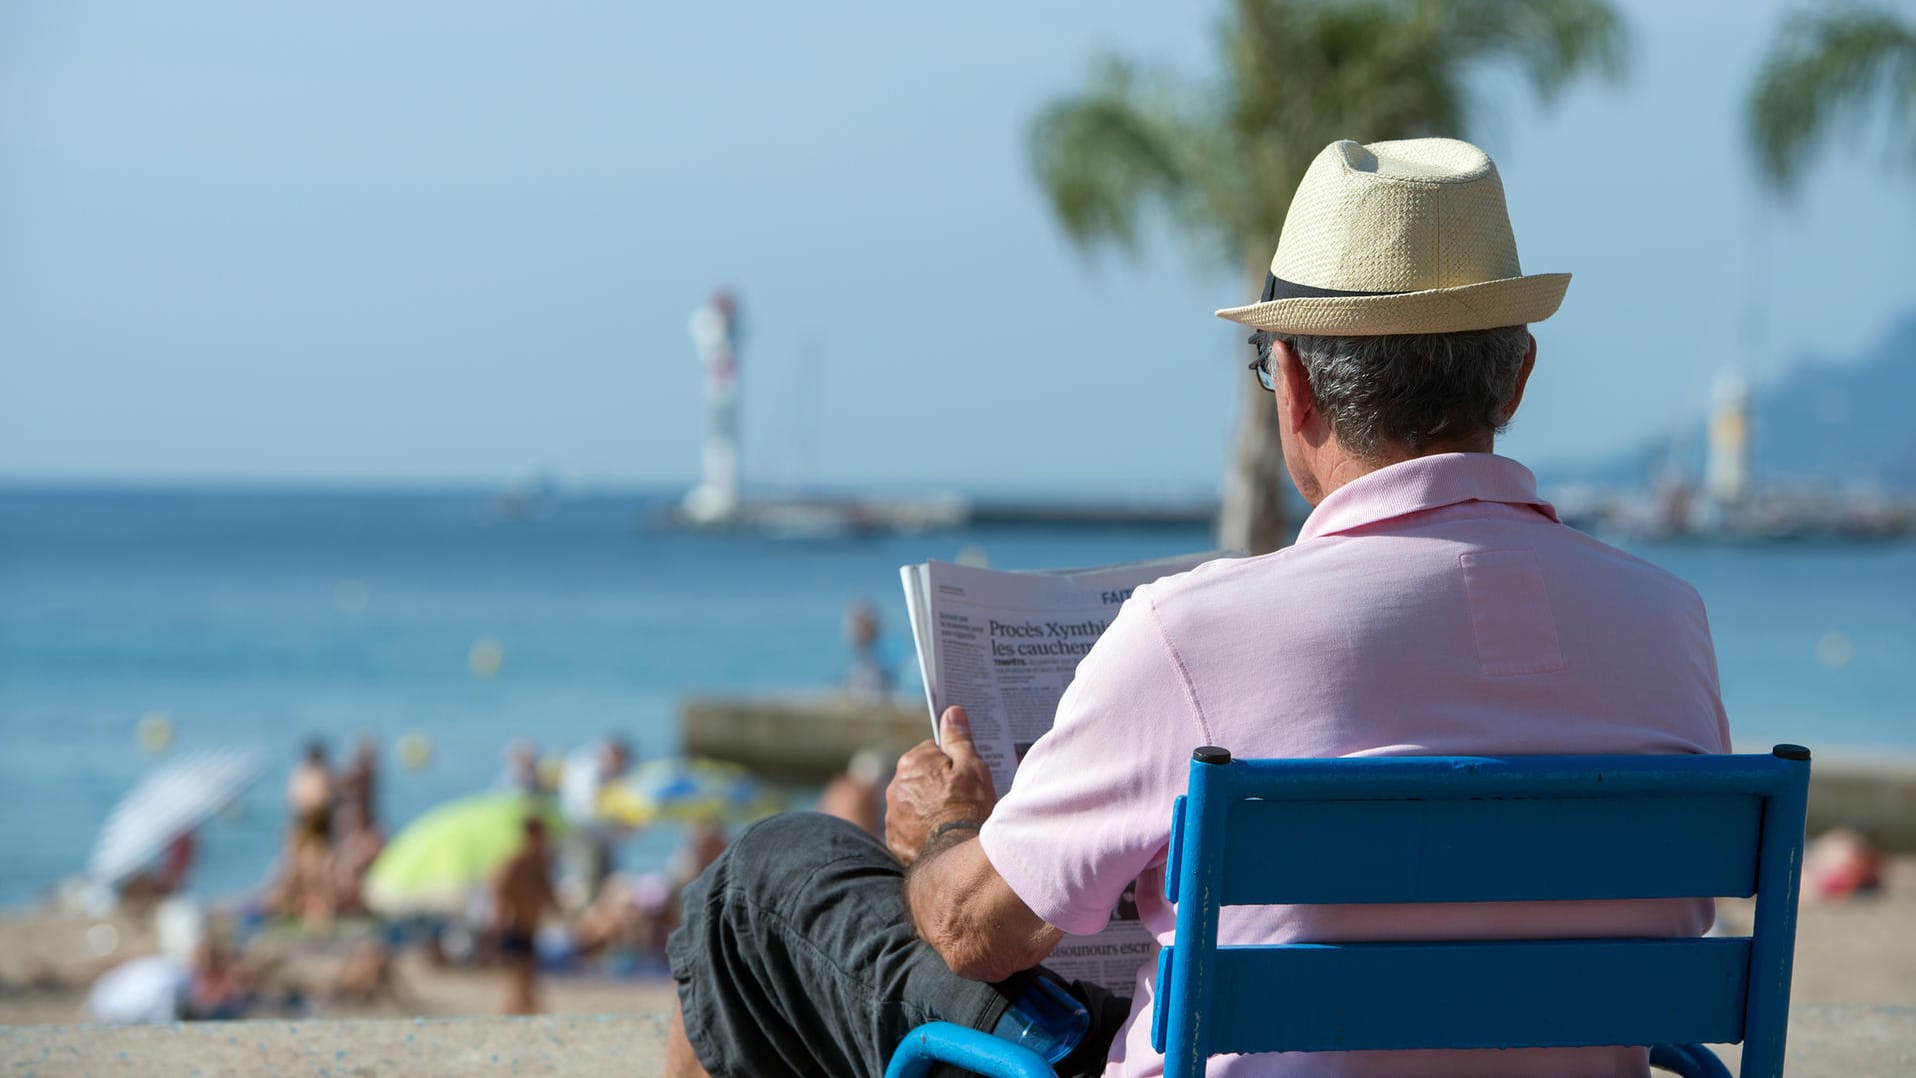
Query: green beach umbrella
[(434, 861)]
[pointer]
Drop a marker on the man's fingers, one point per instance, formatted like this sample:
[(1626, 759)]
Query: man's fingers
[(954, 733)]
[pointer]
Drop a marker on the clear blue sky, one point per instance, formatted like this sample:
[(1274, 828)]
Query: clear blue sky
[(460, 242)]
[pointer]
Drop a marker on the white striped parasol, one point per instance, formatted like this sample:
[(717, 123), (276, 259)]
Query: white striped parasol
[(166, 804)]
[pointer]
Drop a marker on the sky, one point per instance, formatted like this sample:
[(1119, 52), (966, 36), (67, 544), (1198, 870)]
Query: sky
[(459, 242)]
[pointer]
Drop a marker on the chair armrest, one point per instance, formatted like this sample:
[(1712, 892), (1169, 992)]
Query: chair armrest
[(961, 1046), (1689, 1060)]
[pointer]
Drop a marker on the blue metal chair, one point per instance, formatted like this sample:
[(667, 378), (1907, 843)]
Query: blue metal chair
[(1467, 829)]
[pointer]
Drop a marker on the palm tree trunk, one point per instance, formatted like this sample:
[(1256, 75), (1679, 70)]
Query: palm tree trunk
[(1251, 514), (1251, 517)]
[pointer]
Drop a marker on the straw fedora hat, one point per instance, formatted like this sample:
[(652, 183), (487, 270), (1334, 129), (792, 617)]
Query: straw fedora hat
[(1399, 237)]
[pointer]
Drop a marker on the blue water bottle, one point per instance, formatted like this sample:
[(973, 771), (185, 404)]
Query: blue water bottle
[(1045, 1018)]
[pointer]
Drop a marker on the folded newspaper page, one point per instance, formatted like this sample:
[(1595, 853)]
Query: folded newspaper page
[(1004, 645)]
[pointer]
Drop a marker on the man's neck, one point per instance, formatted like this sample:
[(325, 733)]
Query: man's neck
[(1337, 466)]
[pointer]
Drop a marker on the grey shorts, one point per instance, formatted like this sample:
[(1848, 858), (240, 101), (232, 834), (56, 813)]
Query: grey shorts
[(796, 956)]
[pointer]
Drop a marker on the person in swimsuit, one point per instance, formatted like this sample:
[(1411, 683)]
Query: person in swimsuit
[(521, 894)]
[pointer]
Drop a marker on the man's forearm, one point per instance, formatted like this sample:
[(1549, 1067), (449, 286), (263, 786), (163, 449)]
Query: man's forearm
[(922, 889), (968, 914)]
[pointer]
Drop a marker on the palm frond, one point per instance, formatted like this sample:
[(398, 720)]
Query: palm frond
[(1104, 155), (1553, 42), (1825, 71)]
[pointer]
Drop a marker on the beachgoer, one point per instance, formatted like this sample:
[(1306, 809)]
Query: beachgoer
[(629, 920), (359, 782), (147, 990), (521, 771), (176, 865), (357, 845), (308, 890), (1432, 604), (220, 987), (310, 792), (166, 878), (705, 839), (521, 895), (155, 988), (856, 794), (1841, 864), (590, 846), (366, 977), (867, 676)]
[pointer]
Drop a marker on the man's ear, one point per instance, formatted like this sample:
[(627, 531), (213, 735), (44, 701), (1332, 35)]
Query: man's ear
[(1523, 377), (1295, 404)]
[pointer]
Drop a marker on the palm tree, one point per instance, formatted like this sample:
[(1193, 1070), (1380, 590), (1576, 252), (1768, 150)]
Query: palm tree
[(1827, 68), (1223, 156)]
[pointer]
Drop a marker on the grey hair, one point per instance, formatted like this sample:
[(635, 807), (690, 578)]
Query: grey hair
[(1414, 389)]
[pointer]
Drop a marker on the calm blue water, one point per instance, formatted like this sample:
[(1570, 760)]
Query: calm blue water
[(227, 611)]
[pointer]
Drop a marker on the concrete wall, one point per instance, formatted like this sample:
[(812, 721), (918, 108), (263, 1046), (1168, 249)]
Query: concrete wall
[(1878, 799), (796, 737), (808, 739)]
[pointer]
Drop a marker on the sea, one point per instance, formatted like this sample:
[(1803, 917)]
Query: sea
[(263, 618)]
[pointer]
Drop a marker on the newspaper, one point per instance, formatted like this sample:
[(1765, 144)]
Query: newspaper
[(1004, 645)]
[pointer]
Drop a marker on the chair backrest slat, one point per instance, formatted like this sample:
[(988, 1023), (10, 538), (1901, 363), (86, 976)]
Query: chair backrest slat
[(1317, 998), (1641, 846)]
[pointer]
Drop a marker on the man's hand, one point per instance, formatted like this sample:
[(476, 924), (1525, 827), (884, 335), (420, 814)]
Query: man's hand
[(936, 785), (958, 902)]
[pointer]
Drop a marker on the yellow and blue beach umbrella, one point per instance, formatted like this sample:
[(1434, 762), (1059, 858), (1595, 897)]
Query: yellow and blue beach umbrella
[(686, 790)]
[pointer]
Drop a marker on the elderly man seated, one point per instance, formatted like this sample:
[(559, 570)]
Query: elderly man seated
[(1433, 604)]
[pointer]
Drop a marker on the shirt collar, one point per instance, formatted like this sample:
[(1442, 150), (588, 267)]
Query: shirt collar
[(1421, 483)]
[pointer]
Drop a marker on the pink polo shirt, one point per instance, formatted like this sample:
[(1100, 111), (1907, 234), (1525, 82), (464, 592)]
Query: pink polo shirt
[(1434, 607)]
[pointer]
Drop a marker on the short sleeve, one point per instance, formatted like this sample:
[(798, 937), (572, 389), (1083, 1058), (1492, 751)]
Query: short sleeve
[(1706, 649), (1090, 807)]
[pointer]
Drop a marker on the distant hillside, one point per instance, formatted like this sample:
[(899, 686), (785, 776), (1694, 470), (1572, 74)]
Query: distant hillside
[(1849, 421)]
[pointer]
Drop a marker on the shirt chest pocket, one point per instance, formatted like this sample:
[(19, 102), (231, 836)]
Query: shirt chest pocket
[(1510, 613)]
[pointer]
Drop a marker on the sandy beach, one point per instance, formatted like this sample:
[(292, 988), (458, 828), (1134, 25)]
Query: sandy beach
[(48, 959), (1858, 953)]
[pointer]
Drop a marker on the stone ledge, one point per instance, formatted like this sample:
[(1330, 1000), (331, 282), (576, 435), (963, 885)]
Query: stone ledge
[(1825, 1042), (622, 1045)]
